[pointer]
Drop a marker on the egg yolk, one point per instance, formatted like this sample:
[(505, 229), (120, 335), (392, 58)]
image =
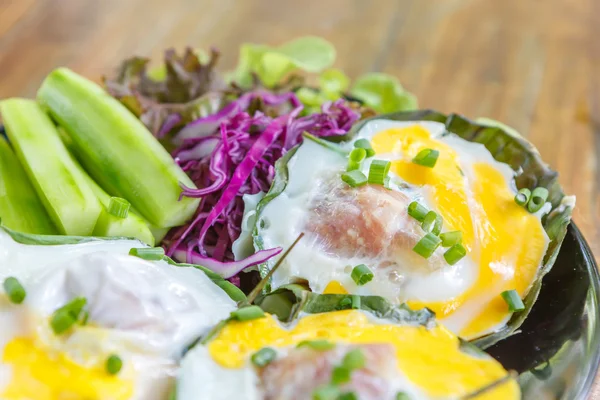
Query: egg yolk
[(507, 242), (38, 374), (430, 358)]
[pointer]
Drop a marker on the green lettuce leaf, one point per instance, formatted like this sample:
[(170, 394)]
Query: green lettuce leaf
[(383, 93)]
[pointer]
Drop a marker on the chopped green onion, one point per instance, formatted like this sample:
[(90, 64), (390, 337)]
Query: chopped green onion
[(346, 301), (320, 345), (512, 298), (538, 199), (426, 158), (365, 144), (247, 313), (378, 171), (354, 359), (354, 178), (402, 396), (327, 392), (522, 198), (433, 223), (66, 316), (340, 375), (118, 207), (148, 253), (113, 364), (361, 275), (85, 316), (356, 157), (355, 302), (386, 183), (14, 290), (348, 396), (427, 245), (451, 238), (417, 211), (455, 253), (263, 357)]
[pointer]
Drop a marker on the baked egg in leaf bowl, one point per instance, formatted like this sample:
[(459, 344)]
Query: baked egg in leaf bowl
[(421, 208), (340, 347), (83, 319)]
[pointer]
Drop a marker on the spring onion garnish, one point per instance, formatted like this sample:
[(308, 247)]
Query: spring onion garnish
[(402, 396), (354, 359), (449, 239), (148, 253), (512, 298), (365, 144), (455, 253), (118, 207), (522, 198), (361, 274), (354, 178), (432, 223), (538, 199), (356, 157), (66, 316), (247, 313), (344, 303), (355, 302), (348, 396), (14, 290), (427, 245), (85, 316), (426, 158), (378, 171), (263, 357), (340, 375), (417, 211), (319, 345), (113, 364), (327, 392)]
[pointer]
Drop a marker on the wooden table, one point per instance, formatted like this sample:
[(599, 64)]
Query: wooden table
[(532, 64)]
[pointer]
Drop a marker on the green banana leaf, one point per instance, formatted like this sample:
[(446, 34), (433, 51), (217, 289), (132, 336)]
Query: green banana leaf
[(506, 146), (55, 240)]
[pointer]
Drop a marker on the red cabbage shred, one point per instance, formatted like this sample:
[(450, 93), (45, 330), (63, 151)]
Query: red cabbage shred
[(232, 153)]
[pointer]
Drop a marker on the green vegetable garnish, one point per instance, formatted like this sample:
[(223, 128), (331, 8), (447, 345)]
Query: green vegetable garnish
[(148, 253), (383, 93), (522, 198), (66, 316), (361, 274), (427, 158), (455, 253), (354, 359), (512, 298), (427, 245), (432, 223), (263, 357), (14, 290), (355, 158), (451, 238), (319, 345), (378, 171), (118, 207), (113, 364), (354, 178), (365, 144), (355, 302), (417, 211), (340, 375), (538, 199), (327, 392), (247, 313)]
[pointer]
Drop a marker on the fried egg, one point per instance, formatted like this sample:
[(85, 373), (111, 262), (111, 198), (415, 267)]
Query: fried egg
[(418, 361), (145, 312), (346, 226)]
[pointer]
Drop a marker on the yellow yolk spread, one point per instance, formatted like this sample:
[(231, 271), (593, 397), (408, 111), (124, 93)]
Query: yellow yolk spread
[(36, 374), (502, 238), (335, 287), (430, 358)]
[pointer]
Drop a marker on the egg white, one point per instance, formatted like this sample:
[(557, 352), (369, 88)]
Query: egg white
[(146, 312)]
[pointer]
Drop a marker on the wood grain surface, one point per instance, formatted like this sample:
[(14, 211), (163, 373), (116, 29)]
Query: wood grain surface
[(532, 64)]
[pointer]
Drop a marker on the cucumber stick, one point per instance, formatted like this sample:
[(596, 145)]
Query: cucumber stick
[(60, 185), (117, 150), (20, 207), (109, 225)]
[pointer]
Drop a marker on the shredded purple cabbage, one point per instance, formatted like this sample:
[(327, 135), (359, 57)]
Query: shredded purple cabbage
[(232, 153)]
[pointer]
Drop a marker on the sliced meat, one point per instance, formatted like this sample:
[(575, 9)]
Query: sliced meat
[(297, 375)]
